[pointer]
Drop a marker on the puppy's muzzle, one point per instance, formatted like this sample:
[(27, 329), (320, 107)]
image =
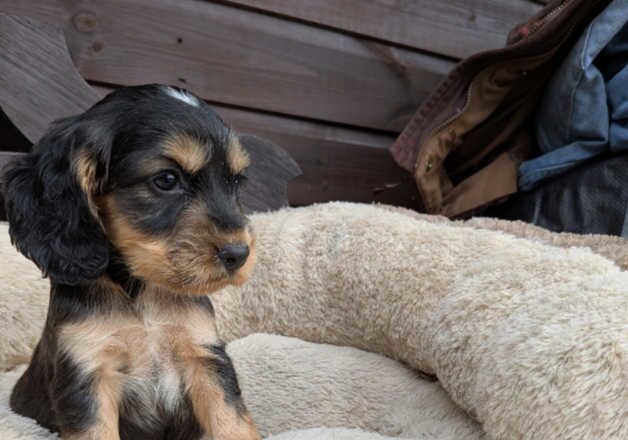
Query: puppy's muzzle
[(233, 256)]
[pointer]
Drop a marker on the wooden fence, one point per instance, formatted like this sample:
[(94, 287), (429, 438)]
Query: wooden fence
[(331, 81)]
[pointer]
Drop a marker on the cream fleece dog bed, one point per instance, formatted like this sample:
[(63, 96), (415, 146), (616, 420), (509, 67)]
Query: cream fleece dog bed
[(529, 340)]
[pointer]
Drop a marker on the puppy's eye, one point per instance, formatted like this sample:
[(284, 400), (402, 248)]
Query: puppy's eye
[(166, 180)]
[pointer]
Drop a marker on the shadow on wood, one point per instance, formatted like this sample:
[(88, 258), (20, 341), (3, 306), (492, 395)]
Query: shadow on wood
[(38, 84)]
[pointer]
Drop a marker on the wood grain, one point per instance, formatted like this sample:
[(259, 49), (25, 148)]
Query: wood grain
[(456, 28), (243, 58), (38, 82), (337, 163)]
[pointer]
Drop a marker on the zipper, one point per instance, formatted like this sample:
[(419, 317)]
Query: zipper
[(534, 27), (457, 113)]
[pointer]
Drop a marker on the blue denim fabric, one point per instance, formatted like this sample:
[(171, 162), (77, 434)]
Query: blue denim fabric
[(584, 109)]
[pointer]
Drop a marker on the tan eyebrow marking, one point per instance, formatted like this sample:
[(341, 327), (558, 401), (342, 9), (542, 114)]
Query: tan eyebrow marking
[(85, 172), (188, 152), (237, 157)]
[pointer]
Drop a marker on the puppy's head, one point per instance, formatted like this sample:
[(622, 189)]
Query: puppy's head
[(149, 177)]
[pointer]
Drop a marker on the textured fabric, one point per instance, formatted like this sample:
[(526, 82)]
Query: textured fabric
[(466, 141), (22, 310), (591, 199), (21, 320), (584, 109), (289, 385), (529, 339)]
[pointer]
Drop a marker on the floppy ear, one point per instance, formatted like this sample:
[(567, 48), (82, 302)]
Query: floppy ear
[(49, 203)]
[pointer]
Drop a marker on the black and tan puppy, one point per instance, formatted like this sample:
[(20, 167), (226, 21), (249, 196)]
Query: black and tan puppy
[(132, 211)]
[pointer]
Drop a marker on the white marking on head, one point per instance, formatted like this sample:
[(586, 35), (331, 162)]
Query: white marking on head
[(182, 95)]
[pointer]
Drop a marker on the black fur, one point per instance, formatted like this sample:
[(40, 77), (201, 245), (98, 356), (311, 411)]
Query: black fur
[(51, 381), (72, 393), (119, 272), (38, 376), (52, 224), (148, 116), (222, 365), (49, 219), (54, 393), (181, 427)]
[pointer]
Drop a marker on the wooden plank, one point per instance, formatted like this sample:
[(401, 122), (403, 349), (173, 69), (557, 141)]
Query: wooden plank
[(337, 163), (243, 58), (38, 82), (456, 28)]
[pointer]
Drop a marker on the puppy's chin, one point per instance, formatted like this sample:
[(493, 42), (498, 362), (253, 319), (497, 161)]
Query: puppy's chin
[(218, 279), (200, 288)]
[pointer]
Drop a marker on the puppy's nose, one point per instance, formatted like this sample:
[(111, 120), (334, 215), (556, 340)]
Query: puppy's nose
[(233, 256)]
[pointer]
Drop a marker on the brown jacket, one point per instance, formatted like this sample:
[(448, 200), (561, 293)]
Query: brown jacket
[(466, 141)]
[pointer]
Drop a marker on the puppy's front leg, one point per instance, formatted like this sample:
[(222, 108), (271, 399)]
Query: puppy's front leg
[(87, 383), (86, 404), (217, 400)]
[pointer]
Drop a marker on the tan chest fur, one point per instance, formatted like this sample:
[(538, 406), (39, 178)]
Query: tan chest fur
[(146, 351)]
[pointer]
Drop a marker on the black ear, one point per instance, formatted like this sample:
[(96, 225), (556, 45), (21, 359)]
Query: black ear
[(52, 218)]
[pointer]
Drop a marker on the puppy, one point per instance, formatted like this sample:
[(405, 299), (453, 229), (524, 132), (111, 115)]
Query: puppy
[(131, 209)]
